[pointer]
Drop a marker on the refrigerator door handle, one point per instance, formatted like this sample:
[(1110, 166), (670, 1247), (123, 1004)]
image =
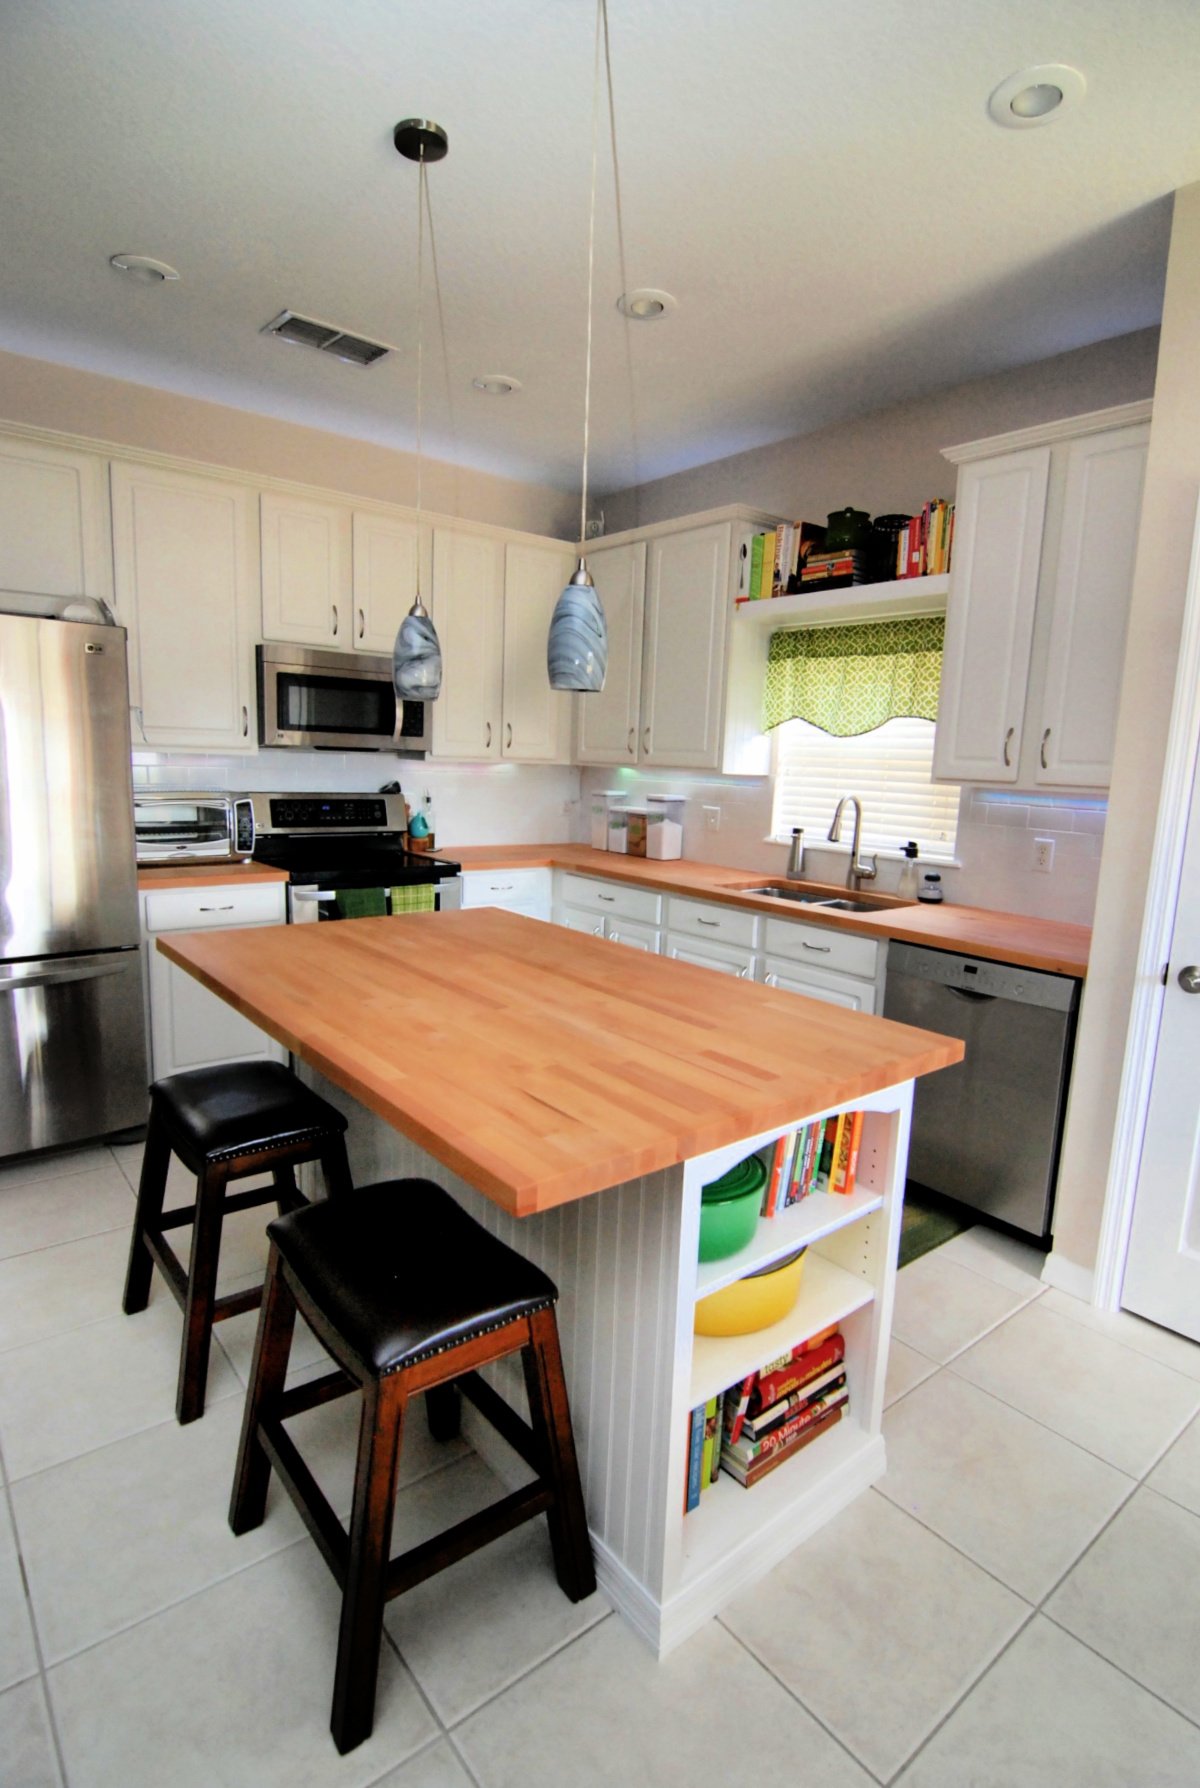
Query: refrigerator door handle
[(20, 974)]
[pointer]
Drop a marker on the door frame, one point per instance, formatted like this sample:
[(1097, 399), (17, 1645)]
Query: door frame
[(1180, 769)]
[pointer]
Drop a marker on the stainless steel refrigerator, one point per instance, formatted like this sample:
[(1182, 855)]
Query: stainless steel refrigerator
[(72, 1027)]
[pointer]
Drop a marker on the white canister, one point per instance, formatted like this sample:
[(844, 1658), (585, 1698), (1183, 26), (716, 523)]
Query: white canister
[(664, 826), (602, 800)]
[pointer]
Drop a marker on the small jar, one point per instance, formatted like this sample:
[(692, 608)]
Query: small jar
[(931, 886)]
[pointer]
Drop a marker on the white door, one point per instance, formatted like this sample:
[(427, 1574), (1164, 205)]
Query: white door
[(537, 719), (187, 589), (307, 588), (688, 605), (468, 613), (606, 725), (998, 523), (385, 578), (1162, 1269)]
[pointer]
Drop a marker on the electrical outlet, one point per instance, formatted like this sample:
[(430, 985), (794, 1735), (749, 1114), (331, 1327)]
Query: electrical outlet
[(1043, 854), (712, 819)]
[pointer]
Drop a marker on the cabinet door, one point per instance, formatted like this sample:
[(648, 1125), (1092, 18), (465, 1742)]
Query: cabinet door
[(191, 1028), (1001, 507), (606, 725), (726, 958), (818, 984), (468, 612), (54, 536), (571, 919), (633, 935), (688, 605), (187, 580), (385, 578), (1093, 584), (537, 719), (306, 577)]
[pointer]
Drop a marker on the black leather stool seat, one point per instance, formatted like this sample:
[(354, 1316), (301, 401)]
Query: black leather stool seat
[(401, 1272), (237, 1108)]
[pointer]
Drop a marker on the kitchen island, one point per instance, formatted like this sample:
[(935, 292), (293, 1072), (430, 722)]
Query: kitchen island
[(576, 1101)]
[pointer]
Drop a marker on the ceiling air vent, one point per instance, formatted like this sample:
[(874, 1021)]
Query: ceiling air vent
[(307, 332)]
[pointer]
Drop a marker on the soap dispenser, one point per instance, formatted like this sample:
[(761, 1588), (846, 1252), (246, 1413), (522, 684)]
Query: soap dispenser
[(907, 889)]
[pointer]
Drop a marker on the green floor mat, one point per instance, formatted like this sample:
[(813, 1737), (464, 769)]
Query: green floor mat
[(926, 1225)]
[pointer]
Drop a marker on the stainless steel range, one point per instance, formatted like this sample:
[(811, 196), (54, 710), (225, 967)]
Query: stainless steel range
[(345, 855)]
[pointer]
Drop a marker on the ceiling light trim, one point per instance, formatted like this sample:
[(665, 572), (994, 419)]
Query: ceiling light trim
[(646, 304), (496, 384), (144, 269), (1068, 81)]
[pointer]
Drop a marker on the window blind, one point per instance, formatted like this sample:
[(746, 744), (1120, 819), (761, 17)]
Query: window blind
[(888, 769)]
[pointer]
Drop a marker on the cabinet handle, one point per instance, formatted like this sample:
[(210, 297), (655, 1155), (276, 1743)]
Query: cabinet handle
[(488, 746), (645, 738), (632, 737), (598, 930), (608, 897), (716, 922), (820, 949), (508, 736), (1045, 737), (771, 980), (335, 618), (245, 721), (217, 909), (362, 625), (500, 887), (614, 937), (743, 972), (1007, 742)]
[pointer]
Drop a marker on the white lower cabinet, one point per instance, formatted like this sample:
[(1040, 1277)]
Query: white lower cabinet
[(623, 914), (633, 935), (528, 891), (190, 1027), (824, 964), (819, 984), (727, 959)]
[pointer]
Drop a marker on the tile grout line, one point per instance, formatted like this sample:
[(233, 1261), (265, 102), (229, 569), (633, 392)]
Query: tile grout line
[(523, 1675), (42, 1677), (1120, 1669)]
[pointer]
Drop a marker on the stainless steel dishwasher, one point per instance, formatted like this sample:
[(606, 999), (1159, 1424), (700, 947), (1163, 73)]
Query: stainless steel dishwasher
[(986, 1132)]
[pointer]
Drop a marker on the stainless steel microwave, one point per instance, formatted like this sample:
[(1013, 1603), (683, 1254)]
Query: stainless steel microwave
[(335, 701)]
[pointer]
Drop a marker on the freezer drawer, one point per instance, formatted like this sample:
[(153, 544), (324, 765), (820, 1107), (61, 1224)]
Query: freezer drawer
[(72, 1049)]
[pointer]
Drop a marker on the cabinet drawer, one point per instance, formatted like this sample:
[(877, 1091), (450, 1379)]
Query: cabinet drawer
[(506, 887), (611, 899), (701, 918), (822, 947), (193, 909)]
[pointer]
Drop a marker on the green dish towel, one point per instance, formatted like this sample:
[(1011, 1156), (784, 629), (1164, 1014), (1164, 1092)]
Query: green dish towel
[(419, 898), (361, 903)]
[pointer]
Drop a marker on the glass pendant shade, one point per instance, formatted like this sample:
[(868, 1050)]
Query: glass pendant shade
[(417, 658), (577, 646)]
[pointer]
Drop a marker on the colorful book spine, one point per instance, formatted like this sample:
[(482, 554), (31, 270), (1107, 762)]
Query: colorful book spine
[(695, 1458), (748, 1476), (822, 1390), (777, 1183), (784, 1381), (756, 559), (737, 1404), (768, 564), (845, 1167), (796, 1165)]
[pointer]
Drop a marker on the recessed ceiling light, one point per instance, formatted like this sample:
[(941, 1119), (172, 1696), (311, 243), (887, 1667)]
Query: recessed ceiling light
[(1036, 95), (496, 384), (143, 269), (645, 305)]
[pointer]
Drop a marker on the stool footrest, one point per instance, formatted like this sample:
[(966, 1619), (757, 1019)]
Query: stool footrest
[(503, 1418), (412, 1567), (316, 1391)]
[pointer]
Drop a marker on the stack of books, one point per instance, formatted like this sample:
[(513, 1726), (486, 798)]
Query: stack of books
[(821, 1156), (778, 557), (783, 1406), (704, 1451), (834, 570), (923, 548)]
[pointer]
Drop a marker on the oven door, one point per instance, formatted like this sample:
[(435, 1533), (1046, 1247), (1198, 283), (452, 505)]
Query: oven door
[(306, 905), (335, 701)]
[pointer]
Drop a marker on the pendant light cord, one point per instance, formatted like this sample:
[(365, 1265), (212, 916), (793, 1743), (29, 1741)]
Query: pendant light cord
[(441, 316), (422, 197), (601, 28), (612, 132)]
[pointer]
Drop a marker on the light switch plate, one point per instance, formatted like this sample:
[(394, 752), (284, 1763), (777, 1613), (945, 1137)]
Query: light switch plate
[(712, 819)]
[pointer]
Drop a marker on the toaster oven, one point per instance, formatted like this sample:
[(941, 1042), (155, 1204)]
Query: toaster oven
[(180, 826)]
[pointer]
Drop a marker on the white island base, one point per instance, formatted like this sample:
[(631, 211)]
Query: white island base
[(625, 1262)]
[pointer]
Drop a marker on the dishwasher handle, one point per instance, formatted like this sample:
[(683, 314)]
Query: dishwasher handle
[(969, 993)]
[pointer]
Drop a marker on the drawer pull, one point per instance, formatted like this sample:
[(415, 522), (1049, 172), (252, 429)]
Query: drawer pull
[(335, 618), (508, 737), (218, 909), (500, 888), (632, 737), (715, 922), (614, 937), (821, 949), (609, 897), (646, 738), (488, 746), (743, 972), (771, 980), (245, 721)]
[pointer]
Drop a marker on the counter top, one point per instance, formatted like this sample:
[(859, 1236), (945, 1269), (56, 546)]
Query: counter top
[(205, 875), (541, 1064), (1051, 944)]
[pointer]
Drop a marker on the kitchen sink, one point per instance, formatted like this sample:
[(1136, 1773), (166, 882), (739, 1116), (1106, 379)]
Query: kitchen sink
[(830, 903)]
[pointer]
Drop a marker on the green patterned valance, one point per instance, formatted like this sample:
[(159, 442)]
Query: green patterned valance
[(851, 679)]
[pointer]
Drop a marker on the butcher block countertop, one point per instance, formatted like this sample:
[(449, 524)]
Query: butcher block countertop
[(541, 1064), (205, 875), (1051, 944)]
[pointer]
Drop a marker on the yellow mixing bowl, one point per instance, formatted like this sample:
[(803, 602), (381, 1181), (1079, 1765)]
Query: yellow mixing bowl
[(753, 1303)]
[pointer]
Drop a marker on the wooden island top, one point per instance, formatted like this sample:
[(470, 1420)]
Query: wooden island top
[(540, 1064)]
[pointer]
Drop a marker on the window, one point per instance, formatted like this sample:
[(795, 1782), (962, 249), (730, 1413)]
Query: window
[(888, 769), (852, 710)]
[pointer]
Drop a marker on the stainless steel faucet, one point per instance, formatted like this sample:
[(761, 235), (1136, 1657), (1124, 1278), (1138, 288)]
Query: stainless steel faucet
[(858, 870)]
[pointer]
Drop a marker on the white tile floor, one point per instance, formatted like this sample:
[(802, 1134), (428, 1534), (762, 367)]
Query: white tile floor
[(1017, 1604)]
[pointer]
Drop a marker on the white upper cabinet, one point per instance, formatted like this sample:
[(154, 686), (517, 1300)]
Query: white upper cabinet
[(688, 608), (54, 527), (607, 725), (537, 719), (998, 522), (307, 589), (185, 555), (386, 551), (468, 612), (1045, 540)]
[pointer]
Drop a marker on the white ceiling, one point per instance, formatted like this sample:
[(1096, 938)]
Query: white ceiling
[(818, 183)]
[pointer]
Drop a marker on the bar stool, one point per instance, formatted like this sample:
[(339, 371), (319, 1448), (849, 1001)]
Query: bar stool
[(223, 1123), (409, 1295)]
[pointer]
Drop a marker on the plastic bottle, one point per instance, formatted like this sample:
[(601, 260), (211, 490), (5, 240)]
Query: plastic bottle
[(908, 887), (931, 886)]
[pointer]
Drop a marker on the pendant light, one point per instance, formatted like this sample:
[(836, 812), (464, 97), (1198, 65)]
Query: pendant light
[(577, 646), (417, 654)]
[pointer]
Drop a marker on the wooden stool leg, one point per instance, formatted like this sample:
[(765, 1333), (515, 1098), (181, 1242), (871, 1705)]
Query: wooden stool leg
[(288, 1196), (272, 1346), (201, 1292), (336, 1168), (365, 1591), (550, 1417), (152, 1190)]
